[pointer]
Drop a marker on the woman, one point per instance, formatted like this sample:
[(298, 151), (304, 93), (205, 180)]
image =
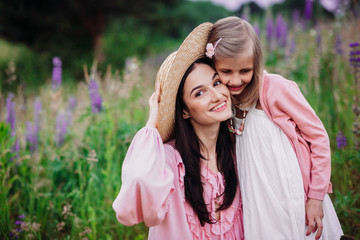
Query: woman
[(186, 187)]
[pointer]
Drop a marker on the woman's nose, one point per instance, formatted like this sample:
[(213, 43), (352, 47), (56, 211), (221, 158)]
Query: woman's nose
[(215, 94)]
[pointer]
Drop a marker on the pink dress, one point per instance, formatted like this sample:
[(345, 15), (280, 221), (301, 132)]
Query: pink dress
[(152, 192)]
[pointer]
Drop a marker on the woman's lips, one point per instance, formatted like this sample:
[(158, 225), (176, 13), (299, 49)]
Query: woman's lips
[(219, 107)]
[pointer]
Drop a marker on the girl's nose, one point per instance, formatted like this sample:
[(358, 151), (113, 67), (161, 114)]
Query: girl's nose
[(234, 79)]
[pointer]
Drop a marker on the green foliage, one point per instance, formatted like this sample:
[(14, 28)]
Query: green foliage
[(45, 25), (68, 190)]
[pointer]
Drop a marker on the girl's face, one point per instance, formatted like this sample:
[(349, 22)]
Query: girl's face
[(236, 73), (206, 98)]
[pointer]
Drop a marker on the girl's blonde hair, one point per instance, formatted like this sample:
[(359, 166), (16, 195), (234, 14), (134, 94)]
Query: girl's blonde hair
[(237, 36)]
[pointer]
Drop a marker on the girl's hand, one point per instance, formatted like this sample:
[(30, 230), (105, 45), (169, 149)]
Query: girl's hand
[(154, 109), (313, 217)]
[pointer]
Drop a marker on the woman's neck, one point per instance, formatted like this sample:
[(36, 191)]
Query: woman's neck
[(208, 136)]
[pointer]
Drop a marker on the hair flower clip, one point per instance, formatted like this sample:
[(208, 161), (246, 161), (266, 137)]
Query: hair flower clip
[(210, 49)]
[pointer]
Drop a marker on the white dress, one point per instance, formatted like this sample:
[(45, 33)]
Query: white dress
[(271, 184)]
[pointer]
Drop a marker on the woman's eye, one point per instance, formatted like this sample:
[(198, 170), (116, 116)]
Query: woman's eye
[(217, 82), (199, 93)]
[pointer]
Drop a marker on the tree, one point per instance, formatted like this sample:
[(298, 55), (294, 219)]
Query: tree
[(70, 24)]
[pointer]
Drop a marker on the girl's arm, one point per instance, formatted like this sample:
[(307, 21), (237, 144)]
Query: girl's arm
[(290, 100)]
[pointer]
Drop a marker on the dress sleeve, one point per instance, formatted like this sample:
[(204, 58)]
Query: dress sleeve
[(147, 181), (290, 100)]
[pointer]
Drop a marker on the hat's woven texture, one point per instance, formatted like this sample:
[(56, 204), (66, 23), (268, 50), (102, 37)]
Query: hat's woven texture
[(171, 72)]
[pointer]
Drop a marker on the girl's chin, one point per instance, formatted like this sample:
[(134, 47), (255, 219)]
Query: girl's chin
[(236, 93)]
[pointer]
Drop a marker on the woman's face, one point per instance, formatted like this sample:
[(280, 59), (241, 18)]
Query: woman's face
[(236, 73), (206, 98)]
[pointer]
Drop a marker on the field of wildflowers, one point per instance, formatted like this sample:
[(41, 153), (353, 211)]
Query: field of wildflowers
[(61, 147)]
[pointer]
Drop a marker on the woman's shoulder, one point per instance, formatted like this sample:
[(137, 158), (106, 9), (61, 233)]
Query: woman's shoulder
[(175, 161), (170, 150)]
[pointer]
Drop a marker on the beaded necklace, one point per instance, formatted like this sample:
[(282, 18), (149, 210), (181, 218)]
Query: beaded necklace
[(230, 123)]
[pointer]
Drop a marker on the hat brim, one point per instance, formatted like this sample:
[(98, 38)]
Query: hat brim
[(171, 72)]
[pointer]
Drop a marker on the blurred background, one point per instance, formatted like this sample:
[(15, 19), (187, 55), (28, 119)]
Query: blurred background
[(75, 77)]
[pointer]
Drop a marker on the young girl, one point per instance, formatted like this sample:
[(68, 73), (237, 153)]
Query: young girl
[(186, 188), (282, 148)]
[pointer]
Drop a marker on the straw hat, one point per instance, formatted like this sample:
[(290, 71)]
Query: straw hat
[(171, 72)]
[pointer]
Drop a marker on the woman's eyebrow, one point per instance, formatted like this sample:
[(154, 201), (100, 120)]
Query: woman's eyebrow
[(214, 76), (200, 86), (197, 87)]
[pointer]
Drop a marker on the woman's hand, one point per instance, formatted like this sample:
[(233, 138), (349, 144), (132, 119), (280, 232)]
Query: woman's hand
[(154, 108), (314, 215)]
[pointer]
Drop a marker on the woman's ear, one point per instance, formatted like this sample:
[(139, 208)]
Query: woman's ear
[(186, 114)]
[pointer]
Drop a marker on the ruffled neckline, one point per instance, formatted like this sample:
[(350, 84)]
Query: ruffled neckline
[(213, 187)]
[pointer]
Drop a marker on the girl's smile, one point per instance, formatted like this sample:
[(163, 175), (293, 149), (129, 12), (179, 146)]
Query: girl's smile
[(234, 88)]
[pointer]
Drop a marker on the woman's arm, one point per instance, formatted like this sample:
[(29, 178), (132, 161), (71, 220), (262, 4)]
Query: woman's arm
[(147, 181)]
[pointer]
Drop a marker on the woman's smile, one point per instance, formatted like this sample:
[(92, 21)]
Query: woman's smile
[(222, 106)]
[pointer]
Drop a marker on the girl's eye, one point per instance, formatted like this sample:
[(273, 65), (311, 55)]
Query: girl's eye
[(225, 71), (245, 70), (199, 93)]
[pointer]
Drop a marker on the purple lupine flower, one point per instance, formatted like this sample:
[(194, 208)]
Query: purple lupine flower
[(61, 128), (32, 135), (281, 31), (354, 55), (95, 97), (11, 120), (257, 30), (341, 140), (18, 222), (338, 45), (10, 107), (308, 9), (269, 29), (56, 73), (21, 216), (354, 62)]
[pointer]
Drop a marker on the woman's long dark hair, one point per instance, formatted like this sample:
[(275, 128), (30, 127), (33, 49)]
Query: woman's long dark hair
[(188, 145)]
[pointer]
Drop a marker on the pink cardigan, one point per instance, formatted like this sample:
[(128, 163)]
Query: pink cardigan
[(152, 192), (284, 104)]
